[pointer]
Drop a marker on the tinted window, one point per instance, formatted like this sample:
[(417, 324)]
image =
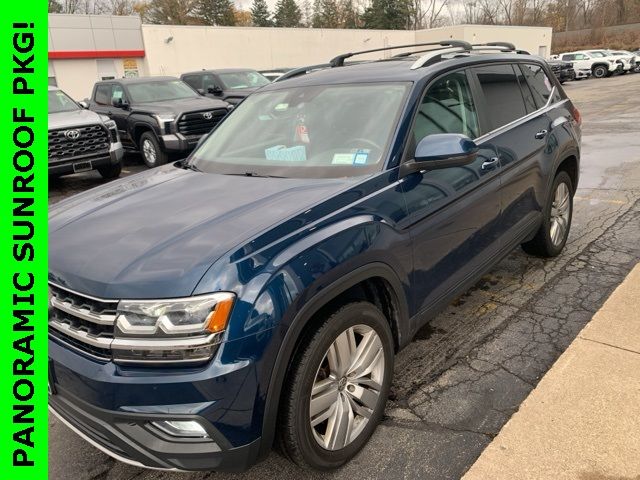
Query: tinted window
[(447, 107), (568, 57), (103, 94), (194, 80), (503, 98), (541, 85), (527, 95)]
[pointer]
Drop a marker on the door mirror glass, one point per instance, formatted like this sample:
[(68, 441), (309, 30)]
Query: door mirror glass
[(444, 150)]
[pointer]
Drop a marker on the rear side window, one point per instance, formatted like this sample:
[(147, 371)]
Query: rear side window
[(568, 57), (447, 107), (541, 85), (103, 94), (503, 97)]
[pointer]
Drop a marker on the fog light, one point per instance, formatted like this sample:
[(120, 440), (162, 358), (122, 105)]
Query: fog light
[(182, 428)]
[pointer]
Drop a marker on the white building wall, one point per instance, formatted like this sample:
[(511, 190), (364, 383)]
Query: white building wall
[(172, 50)]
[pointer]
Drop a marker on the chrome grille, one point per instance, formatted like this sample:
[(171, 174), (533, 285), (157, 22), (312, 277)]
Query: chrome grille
[(90, 140), (196, 123), (85, 323)]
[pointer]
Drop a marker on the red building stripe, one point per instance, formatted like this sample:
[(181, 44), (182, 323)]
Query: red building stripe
[(96, 54)]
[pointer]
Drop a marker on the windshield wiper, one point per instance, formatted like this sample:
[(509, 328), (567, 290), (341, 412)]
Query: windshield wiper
[(254, 174)]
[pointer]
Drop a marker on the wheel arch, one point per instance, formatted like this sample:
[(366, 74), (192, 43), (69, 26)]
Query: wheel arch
[(387, 294)]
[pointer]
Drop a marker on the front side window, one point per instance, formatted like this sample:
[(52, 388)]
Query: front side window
[(61, 102), (160, 91), (447, 107), (503, 97), (195, 81), (570, 57), (325, 131), (103, 94), (540, 83), (239, 80)]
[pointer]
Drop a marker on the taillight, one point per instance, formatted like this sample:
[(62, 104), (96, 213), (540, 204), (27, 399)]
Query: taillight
[(576, 115)]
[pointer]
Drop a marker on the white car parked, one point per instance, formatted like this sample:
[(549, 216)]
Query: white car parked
[(632, 61), (599, 64)]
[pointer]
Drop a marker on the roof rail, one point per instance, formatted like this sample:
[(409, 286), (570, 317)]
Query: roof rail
[(433, 56), (507, 45), (339, 60), (296, 72)]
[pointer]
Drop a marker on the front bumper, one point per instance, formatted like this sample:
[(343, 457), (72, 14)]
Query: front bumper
[(88, 162), (583, 73), (179, 143), (112, 407), (132, 439)]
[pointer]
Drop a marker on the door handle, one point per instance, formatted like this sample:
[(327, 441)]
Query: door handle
[(489, 164), (541, 134)]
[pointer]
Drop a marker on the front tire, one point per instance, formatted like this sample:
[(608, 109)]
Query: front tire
[(600, 71), (337, 387), (152, 154), (109, 172), (552, 235)]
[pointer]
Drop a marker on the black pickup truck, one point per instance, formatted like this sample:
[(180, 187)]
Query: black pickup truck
[(159, 116)]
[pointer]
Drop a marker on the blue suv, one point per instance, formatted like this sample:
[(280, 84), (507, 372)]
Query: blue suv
[(256, 293)]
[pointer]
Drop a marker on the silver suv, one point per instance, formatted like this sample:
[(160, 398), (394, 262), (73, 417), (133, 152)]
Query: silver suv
[(81, 140)]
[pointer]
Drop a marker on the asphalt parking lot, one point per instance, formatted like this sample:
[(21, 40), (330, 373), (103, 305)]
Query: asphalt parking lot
[(467, 372)]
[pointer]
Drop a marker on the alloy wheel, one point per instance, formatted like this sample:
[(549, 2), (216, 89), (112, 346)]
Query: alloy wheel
[(560, 213), (149, 151), (347, 387)]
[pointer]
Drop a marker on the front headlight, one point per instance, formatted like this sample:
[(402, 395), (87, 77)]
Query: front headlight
[(165, 121), (172, 330), (113, 130)]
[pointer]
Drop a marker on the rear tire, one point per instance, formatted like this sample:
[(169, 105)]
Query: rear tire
[(110, 172), (552, 235), (152, 154), (347, 364)]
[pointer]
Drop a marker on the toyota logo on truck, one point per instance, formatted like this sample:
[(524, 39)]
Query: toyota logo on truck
[(72, 134), (207, 115)]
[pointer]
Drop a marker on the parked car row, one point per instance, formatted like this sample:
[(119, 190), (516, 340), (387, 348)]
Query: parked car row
[(597, 63), (161, 117)]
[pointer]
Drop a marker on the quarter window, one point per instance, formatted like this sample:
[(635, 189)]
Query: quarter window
[(447, 107), (540, 84), (503, 97)]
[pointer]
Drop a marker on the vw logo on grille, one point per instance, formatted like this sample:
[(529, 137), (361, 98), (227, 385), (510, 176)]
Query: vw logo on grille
[(207, 115), (72, 134)]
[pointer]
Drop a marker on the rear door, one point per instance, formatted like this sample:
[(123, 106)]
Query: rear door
[(453, 212), (519, 129)]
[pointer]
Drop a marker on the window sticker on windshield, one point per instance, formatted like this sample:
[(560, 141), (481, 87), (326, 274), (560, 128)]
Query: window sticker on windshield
[(360, 158), (281, 107), (281, 153), (342, 159)]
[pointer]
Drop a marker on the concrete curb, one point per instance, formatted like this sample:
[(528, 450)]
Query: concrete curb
[(582, 421)]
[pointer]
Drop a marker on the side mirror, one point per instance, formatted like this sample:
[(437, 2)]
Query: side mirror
[(442, 150), (84, 104), (201, 91), (215, 91), (118, 102)]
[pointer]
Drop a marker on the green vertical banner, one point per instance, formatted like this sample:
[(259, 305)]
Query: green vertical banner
[(23, 240)]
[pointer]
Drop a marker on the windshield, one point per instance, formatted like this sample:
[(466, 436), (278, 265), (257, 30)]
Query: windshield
[(160, 91), (238, 80), (61, 102), (324, 131)]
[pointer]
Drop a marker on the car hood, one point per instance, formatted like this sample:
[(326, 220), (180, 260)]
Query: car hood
[(155, 234), (180, 106), (75, 118)]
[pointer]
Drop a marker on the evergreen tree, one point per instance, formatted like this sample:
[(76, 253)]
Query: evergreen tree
[(388, 14), (260, 15), (169, 12), (330, 16), (349, 17), (287, 14), (217, 12)]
